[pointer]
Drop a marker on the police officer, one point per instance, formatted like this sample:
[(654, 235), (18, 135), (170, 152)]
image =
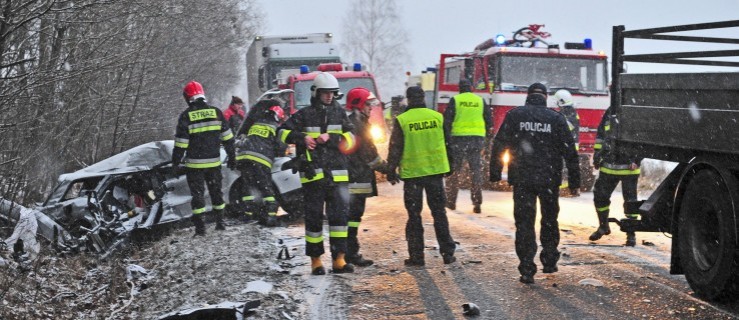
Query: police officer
[(418, 146), (467, 120), (320, 129), (614, 167), (538, 139), (363, 161), (201, 129)]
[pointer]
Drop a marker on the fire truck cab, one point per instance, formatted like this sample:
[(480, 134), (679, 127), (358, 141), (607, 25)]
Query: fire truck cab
[(302, 80), (502, 69)]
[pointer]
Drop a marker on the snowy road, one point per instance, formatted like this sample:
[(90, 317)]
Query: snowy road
[(636, 283)]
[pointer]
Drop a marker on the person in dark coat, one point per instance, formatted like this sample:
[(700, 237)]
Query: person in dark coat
[(321, 130), (538, 139), (467, 121), (363, 162), (256, 150), (235, 114), (418, 148), (613, 167), (201, 129)]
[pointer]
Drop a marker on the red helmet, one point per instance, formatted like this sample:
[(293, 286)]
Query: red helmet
[(357, 98), (278, 112), (193, 90)]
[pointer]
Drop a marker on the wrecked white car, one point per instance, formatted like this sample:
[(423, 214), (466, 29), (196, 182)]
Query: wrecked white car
[(100, 207)]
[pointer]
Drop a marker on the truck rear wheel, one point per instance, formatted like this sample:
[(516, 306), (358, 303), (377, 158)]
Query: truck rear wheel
[(707, 237)]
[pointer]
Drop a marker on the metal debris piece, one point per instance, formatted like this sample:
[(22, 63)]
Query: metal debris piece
[(224, 310), (471, 309)]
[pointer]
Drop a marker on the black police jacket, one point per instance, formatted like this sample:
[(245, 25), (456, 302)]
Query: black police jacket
[(537, 138)]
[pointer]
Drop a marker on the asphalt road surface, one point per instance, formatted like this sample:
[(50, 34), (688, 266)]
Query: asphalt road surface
[(595, 280)]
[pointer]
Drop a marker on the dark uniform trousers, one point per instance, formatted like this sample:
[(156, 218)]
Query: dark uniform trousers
[(465, 149), (258, 193), (197, 179), (413, 196), (335, 196), (357, 203), (524, 212), (604, 186)]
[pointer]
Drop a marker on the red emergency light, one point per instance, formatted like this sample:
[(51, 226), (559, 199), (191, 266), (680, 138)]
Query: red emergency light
[(323, 67)]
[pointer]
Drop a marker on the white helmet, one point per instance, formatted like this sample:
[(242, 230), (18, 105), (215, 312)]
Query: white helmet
[(563, 98), (325, 81)]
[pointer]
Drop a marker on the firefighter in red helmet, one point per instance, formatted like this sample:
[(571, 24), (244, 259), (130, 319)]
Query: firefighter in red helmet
[(257, 147), (363, 162), (201, 129)]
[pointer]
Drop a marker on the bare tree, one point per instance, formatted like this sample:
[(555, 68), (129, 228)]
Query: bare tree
[(81, 80), (374, 35)]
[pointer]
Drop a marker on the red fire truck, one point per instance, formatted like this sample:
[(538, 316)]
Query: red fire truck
[(300, 82), (502, 69)]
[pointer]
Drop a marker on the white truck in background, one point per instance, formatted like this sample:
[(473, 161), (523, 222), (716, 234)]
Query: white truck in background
[(271, 57)]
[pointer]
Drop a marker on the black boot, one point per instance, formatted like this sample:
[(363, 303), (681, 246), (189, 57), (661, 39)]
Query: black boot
[(358, 260), (219, 220), (199, 225), (603, 229), (630, 239)]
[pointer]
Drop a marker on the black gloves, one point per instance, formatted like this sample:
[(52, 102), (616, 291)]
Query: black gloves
[(495, 176), (392, 176), (308, 170), (300, 164), (293, 164), (231, 163)]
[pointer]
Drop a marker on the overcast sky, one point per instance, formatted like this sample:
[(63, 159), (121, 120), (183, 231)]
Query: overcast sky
[(441, 26)]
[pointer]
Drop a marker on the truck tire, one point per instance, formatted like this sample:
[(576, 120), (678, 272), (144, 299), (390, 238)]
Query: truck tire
[(707, 237)]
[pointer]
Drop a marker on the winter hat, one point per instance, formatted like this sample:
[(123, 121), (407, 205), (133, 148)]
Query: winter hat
[(415, 95), (465, 85), (537, 88), (236, 100), (537, 94)]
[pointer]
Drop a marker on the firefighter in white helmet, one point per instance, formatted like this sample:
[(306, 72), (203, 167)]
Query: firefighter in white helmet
[(318, 131), (566, 105)]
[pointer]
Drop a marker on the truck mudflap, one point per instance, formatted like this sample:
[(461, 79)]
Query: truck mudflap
[(656, 214)]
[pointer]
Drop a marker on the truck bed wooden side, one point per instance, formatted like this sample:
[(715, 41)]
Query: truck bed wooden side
[(676, 117)]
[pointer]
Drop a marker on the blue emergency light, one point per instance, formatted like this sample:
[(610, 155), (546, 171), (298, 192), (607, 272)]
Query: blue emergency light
[(304, 69), (500, 40), (588, 43), (357, 66)]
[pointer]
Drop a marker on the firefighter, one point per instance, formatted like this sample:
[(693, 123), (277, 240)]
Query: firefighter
[(418, 146), (363, 162), (537, 139), (318, 131), (256, 152), (566, 105), (201, 129), (235, 114), (467, 120), (613, 167)]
